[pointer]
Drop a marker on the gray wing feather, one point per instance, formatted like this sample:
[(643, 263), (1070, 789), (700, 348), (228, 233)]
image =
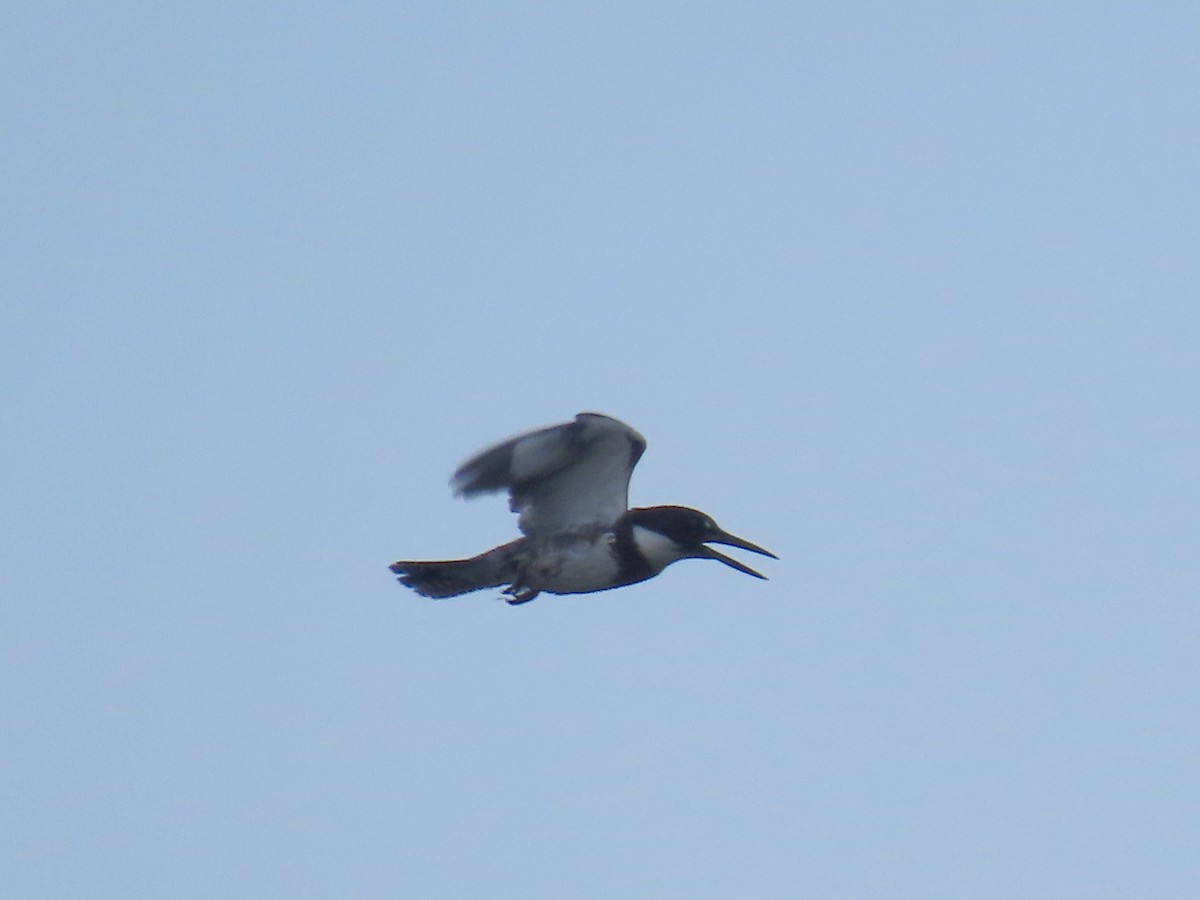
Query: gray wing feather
[(561, 477)]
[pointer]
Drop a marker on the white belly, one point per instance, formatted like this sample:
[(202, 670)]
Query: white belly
[(577, 566)]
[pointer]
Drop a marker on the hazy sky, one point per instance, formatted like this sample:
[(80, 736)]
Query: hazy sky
[(907, 293)]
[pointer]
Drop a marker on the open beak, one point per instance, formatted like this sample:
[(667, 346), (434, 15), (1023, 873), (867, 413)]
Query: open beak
[(734, 541)]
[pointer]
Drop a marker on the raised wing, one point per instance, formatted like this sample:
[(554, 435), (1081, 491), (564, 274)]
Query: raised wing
[(562, 477)]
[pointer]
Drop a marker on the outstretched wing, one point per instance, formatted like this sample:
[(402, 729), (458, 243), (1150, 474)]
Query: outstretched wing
[(562, 477)]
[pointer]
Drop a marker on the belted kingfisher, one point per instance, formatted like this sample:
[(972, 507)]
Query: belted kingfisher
[(570, 486)]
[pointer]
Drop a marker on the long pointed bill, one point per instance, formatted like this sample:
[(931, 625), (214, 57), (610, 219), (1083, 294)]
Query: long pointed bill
[(733, 540), (710, 553), (742, 544)]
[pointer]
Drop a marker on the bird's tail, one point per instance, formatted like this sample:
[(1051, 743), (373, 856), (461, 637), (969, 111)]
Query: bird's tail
[(449, 578)]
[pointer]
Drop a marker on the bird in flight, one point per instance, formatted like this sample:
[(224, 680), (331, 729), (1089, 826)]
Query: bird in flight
[(569, 484)]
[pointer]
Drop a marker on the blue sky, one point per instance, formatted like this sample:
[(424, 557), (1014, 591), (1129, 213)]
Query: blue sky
[(907, 293)]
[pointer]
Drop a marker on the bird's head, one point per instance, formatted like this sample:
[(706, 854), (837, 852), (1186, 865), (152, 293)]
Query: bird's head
[(664, 534)]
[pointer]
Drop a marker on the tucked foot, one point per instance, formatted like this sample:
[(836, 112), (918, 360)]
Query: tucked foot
[(519, 594)]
